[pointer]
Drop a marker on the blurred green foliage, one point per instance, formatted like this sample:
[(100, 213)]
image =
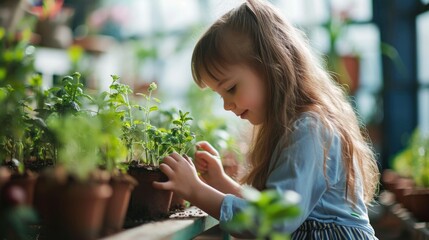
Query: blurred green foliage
[(266, 212)]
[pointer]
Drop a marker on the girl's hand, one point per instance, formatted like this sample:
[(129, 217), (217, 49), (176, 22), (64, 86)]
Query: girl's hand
[(182, 175), (208, 164), (184, 181)]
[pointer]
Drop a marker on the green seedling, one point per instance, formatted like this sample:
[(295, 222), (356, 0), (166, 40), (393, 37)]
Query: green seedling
[(265, 213)]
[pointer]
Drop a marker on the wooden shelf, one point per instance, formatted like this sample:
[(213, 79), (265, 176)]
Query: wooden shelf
[(182, 225)]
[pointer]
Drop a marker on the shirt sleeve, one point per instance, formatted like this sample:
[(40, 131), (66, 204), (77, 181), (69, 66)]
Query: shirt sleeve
[(230, 205)]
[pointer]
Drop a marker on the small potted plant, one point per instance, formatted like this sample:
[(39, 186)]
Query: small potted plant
[(54, 103), (344, 67), (414, 161), (39, 151), (17, 66), (147, 145), (57, 101), (71, 196), (113, 153), (81, 194), (403, 168), (159, 143)]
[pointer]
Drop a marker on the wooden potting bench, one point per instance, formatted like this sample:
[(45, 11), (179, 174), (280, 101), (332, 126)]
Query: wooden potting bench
[(186, 224)]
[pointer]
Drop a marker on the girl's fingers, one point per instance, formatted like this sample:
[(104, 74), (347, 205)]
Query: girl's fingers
[(204, 145), (202, 165), (169, 172), (189, 160), (175, 156), (201, 169), (170, 161), (201, 162), (166, 169), (206, 156)]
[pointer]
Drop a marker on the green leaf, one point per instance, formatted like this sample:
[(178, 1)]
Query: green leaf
[(115, 78), (279, 211), (152, 87), (279, 236), (153, 108), (2, 33), (67, 79)]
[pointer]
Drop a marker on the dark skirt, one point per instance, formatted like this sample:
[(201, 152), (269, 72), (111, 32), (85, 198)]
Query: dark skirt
[(312, 230)]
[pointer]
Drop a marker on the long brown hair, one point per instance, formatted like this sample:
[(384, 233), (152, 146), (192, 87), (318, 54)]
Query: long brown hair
[(255, 33)]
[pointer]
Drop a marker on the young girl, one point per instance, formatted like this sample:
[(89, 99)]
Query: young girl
[(306, 134)]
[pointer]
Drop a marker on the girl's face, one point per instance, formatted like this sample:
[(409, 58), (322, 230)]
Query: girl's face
[(242, 91)]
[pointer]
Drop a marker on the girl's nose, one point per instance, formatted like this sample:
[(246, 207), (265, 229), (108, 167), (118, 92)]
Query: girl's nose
[(228, 105)]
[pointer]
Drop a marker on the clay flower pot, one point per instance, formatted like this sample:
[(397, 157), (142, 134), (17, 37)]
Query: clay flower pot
[(4, 179), (402, 185), (46, 197), (116, 209), (71, 209), (80, 211), (4, 176), (147, 202), (27, 182), (418, 199)]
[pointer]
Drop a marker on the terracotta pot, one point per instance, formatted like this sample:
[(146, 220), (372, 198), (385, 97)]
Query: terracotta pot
[(27, 182), (80, 211), (4, 179), (4, 176), (117, 205), (419, 203), (55, 32), (345, 70), (147, 202), (46, 189), (402, 185), (351, 66)]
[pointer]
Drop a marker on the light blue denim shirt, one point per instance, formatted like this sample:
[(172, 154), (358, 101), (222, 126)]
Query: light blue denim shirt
[(299, 167)]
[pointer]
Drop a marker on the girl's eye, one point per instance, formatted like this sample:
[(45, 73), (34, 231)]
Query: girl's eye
[(232, 90)]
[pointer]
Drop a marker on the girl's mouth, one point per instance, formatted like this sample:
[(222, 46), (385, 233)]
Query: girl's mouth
[(243, 114)]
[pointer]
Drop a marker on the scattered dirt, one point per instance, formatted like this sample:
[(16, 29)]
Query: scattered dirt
[(189, 213)]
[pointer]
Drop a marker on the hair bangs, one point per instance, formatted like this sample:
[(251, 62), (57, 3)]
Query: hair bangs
[(218, 48)]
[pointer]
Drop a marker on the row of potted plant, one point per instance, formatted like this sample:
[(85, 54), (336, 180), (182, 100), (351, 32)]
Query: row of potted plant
[(76, 154), (408, 179), (97, 147), (16, 184)]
